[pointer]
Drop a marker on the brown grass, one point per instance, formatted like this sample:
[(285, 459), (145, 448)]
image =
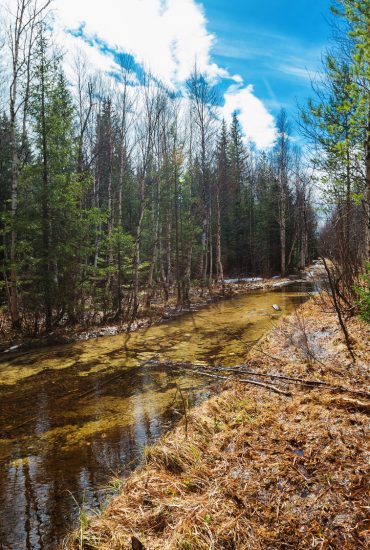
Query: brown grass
[(259, 471)]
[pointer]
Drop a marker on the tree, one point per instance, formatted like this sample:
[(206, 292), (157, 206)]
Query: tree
[(238, 188), (111, 193), (357, 14), (222, 160), (21, 36), (282, 167), (203, 105)]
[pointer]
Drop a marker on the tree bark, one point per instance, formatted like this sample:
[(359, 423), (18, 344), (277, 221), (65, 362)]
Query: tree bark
[(135, 303), (45, 202), (367, 175), (220, 270)]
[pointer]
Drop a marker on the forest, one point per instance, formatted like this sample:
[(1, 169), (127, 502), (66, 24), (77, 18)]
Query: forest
[(184, 312), (114, 190)]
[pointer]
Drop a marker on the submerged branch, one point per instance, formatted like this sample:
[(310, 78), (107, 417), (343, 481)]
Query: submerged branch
[(241, 369), (245, 381)]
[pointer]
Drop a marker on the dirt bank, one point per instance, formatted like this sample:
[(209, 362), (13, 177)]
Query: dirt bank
[(258, 469)]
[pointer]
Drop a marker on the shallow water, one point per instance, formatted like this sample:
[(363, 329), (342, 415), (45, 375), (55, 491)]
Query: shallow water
[(74, 416)]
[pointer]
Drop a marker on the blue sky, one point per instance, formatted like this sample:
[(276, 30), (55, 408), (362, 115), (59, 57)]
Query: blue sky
[(273, 44), (260, 52)]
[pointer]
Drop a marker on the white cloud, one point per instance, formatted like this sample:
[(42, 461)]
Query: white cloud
[(299, 72), (257, 123), (72, 44), (167, 36)]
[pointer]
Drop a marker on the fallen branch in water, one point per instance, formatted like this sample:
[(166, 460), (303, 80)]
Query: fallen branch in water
[(245, 381), (243, 370), (240, 369)]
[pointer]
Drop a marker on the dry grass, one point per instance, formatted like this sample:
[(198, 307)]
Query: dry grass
[(259, 471)]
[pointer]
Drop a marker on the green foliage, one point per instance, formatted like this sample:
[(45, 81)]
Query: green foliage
[(363, 291), (112, 199)]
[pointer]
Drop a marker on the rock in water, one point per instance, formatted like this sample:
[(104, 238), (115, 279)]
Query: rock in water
[(276, 307)]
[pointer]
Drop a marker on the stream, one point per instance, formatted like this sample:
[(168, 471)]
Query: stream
[(75, 416)]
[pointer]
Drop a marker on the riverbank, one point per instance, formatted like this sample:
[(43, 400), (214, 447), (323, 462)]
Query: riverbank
[(159, 310), (257, 469)]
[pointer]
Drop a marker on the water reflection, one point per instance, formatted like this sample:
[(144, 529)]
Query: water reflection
[(74, 416)]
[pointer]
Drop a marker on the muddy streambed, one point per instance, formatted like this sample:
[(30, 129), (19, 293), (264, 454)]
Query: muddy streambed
[(73, 417)]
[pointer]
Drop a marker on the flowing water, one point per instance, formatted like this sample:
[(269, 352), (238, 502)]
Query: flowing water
[(72, 417)]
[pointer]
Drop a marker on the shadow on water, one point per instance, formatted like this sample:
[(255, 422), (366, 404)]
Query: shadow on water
[(75, 416)]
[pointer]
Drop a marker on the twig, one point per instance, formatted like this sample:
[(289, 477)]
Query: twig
[(300, 473), (338, 310), (301, 381), (245, 381), (185, 406), (242, 370)]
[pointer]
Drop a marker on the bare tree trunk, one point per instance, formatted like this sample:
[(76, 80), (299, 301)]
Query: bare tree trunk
[(282, 227), (169, 253), (21, 37), (135, 302), (187, 278), (210, 241), (220, 269), (14, 308), (15, 45), (177, 245), (203, 101), (110, 178), (334, 296), (283, 166), (204, 257), (45, 202), (96, 189), (154, 257), (292, 249), (367, 175)]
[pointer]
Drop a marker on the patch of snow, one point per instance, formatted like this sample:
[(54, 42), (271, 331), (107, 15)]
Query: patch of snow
[(243, 280), (12, 348)]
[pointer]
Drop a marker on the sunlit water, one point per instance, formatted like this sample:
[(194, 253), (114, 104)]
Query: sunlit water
[(74, 416)]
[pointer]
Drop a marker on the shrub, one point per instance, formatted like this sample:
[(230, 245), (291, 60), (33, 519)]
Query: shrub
[(363, 291)]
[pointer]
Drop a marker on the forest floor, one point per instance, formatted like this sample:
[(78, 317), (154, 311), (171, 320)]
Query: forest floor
[(255, 469), (159, 310)]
